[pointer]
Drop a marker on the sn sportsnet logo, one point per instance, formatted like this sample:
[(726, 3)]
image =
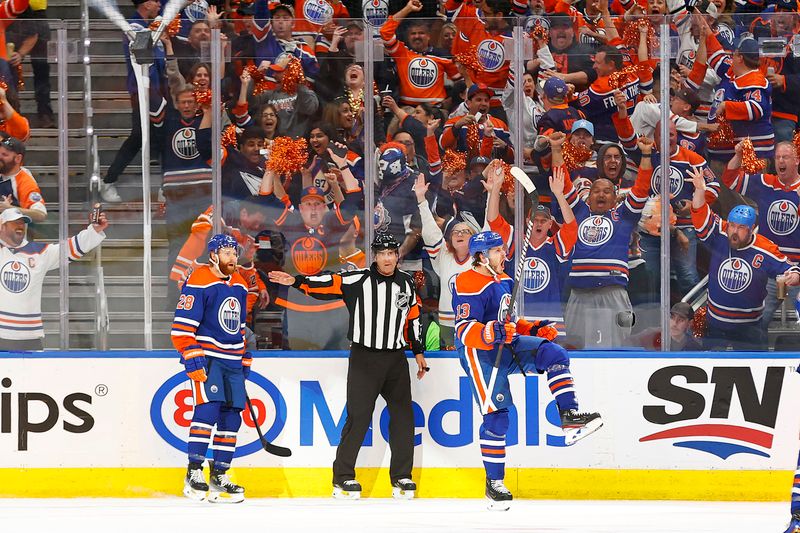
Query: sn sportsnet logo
[(491, 55), (15, 276), (675, 181), (536, 275), (782, 217), (734, 275), (317, 11), (595, 231), (230, 315), (707, 418), (375, 12), (172, 405), (422, 72), (184, 143)]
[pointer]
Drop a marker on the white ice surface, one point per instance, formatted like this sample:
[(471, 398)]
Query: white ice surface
[(175, 515)]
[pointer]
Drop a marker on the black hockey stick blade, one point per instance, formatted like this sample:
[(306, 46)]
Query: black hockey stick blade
[(274, 449)]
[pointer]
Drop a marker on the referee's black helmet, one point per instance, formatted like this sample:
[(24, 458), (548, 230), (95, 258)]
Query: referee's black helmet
[(384, 241)]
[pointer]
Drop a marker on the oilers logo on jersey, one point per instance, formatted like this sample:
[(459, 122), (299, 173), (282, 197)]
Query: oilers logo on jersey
[(502, 309), (422, 72), (675, 181), (376, 12), (230, 315), (491, 55), (184, 143), (734, 275), (595, 231), (782, 217), (317, 11), (309, 256), (536, 275), (15, 276)]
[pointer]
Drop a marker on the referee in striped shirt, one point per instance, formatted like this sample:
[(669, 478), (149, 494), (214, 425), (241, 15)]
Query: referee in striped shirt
[(384, 318)]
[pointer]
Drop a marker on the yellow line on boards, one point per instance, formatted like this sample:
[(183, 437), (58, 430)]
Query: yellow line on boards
[(530, 483)]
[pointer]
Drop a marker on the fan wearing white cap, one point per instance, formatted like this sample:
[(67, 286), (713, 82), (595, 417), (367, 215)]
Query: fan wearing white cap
[(23, 266)]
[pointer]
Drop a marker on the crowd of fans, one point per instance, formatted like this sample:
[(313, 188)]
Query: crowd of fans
[(445, 130)]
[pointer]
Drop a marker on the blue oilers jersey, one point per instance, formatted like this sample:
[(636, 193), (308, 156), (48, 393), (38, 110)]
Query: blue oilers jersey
[(737, 278), (211, 315), (477, 300)]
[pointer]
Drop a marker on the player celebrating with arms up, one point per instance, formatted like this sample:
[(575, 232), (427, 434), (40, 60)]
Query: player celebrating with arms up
[(208, 331), (481, 299)]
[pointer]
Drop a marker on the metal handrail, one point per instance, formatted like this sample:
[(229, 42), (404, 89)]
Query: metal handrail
[(93, 162)]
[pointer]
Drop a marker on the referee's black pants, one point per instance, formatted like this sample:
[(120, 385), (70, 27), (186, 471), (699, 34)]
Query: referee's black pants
[(370, 373)]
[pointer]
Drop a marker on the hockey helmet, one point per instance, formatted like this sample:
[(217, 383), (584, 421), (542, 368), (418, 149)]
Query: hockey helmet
[(484, 241), (220, 240), (392, 164), (743, 214), (384, 241)]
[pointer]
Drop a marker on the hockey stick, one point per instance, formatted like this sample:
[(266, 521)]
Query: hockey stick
[(526, 182), (274, 449)]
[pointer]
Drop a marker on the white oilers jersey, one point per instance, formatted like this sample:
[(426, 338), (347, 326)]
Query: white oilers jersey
[(22, 272)]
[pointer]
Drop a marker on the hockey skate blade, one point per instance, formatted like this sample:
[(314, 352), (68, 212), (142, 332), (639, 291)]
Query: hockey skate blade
[(196, 495), (492, 505), (571, 436), (400, 494), (341, 494), (225, 497)]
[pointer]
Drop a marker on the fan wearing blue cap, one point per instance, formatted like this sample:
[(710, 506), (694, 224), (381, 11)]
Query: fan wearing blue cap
[(741, 264), (558, 116)]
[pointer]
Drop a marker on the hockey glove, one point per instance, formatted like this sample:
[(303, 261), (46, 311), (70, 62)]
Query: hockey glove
[(195, 363), (537, 328), (496, 332), (247, 360)]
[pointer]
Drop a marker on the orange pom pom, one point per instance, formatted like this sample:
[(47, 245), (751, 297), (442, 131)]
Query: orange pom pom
[(619, 78), (541, 33), (287, 156), (723, 136), (293, 76), (229, 136), (260, 83), (202, 97), (472, 139), (509, 183), (630, 35), (574, 156), (454, 162), (469, 58), (699, 323), (174, 27), (796, 142), (750, 162)]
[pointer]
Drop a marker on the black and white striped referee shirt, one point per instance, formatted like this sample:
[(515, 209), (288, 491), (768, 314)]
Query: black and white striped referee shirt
[(384, 313)]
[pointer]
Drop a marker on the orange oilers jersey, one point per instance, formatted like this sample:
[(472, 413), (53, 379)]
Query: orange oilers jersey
[(311, 15), (24, 190), (421, 76), (493, 50)]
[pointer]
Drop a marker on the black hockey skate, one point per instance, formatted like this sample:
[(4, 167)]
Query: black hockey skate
[(577, 425), (794, 524), (194, 485), (223, 490), (403, 489), (347, 490), (498, 495)]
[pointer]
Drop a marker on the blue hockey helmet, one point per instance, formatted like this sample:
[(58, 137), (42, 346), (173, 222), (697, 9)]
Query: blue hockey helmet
[(220, 240), (743, 214), (484, 241)]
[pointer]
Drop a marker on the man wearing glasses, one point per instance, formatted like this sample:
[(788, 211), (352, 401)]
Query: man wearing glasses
[(18, 188)]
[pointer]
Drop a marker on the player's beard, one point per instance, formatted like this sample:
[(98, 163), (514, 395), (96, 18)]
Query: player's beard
[(227, 269)]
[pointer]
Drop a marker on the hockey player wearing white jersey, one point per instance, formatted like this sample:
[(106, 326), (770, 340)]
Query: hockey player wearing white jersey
[(23, 266)]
